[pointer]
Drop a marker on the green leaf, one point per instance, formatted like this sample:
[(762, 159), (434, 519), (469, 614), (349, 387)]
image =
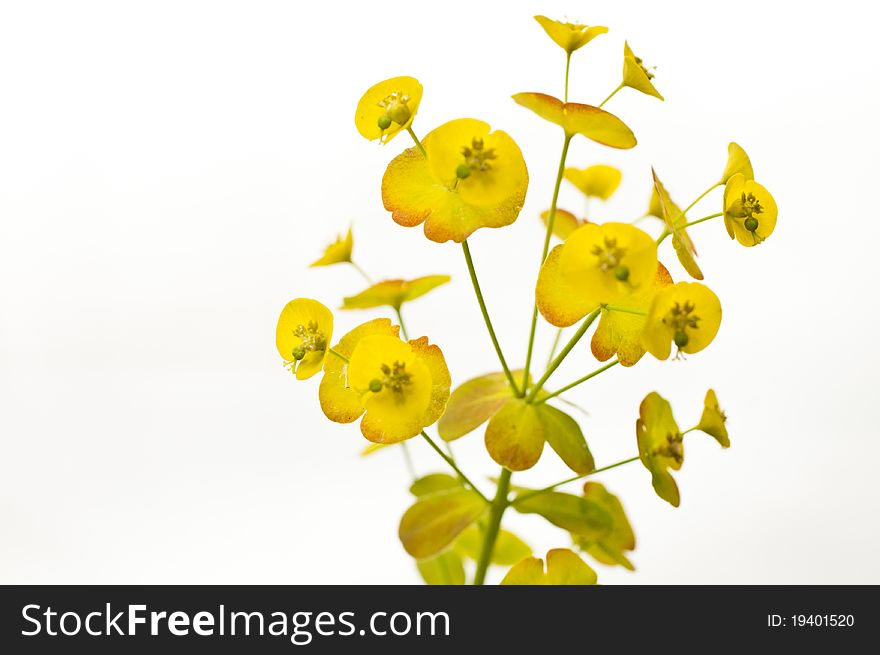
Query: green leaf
[(564, 435), (515, 435), (563, 568), (581, 516), (443, 569), (434, 521), (472, 404), (433, 483), (610, 548), (509, 549)]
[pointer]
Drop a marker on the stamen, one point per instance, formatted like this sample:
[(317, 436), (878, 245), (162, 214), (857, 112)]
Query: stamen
[(610, 257), (477, 157)]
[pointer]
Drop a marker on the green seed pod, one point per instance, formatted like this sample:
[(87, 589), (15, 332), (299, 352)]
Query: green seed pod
[(621, 273), (375, 385), (384, 122), (298, 353), (681, 339), (399, 113), (463, 171), (751, 223)]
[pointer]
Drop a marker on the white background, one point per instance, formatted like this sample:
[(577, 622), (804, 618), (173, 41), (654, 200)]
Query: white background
[(168, 170)]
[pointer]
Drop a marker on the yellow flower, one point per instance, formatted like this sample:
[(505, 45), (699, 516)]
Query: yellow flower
[(570, 36), (687, 314), (636, 75), (749, 210), (597, 264), (338, 252), (387, 108), (713, 421), (400, 387), (472, 178), (564, 224), (737, 162), (599, 181), (621, 324), (586, 120), (304, 330), (394, 293), (661, 445)]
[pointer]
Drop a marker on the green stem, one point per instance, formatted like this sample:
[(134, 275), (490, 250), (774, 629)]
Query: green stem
[(408, 459), (402, 325), (454, 466), (476, 283), (338, 354), (666, 232), (567, 66), (610, 95), (361, 271), (545, 490), (562, 355), (701, 196), (551, 219), (499, 504), (577, 382), (626, 310), (554, 347), (416, 139)]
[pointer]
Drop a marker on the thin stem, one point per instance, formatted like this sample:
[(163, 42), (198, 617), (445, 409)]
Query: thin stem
[(611, 95), (554, 347), (567, 66), (361, 271), (338, 354), (470, 264), (499, 504), (626, 310), (562, 355), (402, 325), (416, 139), (666, 232), (407, 457), (551, 219), (577, 382), (454, 466), (701, 196), (545, 490)]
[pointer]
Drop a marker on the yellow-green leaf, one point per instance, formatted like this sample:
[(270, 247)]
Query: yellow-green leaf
[(443, 569), (472, 404), (374, 447), (675, 221), (564, 435), (393, 293), (563, 568), (515, 435), (509, 549), (577, 514), (610, 548), (434, 521), (433, 483)]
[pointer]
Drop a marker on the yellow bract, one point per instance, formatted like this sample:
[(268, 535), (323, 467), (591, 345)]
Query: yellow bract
[(302, 336), (569, 36), (660, 445), (687, 314), (586, 120), (749, 211), (394, 293), (713, 420), (563, 568), (599, 181), (485, 167), (387, 108), (675, 221), (636, 75), (621, 324), (564, 223), (338, 252), (737, 162), (403, 386), (417, 190)]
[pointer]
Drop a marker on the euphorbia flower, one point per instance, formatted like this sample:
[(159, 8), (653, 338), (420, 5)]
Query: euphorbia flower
[(303, 335), (586, 120), (471, 178), (393, 293), (636, 75), (687, 314), (599, 181), (400, 387), (713, 421), (387, 108), (749, 211), (338, 252), (597, 264), (570, 36), (660, 444)]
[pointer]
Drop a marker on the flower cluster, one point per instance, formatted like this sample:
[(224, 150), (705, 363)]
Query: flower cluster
[(465, 175)]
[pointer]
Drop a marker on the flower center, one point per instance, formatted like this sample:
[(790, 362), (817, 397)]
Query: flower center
[(477, 157), (610, 257), (681, 318), (396, 109), (312, 340), (645, 69), (395, 378), (672, 448)]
